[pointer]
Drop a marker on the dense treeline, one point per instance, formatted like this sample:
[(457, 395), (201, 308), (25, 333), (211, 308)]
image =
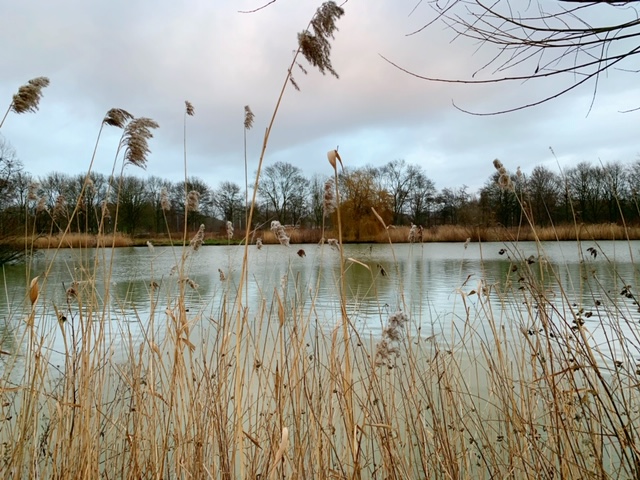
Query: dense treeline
[(401, 193)]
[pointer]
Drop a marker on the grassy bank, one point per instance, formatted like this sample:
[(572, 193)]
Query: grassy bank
[(445, 233)]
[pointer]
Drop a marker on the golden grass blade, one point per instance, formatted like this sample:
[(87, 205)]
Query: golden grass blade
[(33, 290), (284, 443), (359, 263), (379, 218)]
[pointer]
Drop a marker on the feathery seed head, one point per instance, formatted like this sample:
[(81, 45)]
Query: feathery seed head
[(41, 205), (189, 108), (105, 209), (229, 230), (193, 201), (117, 117), (164, 200), (29, 95), (329, 198), (316, 47), (280, 233), (60, 207), (198, 239), (136, 140), (248, 117), (33, 191)]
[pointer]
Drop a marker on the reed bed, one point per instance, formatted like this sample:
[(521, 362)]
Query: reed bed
[(514, 387)]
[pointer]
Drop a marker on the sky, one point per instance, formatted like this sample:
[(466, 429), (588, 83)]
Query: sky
[(149, 57)]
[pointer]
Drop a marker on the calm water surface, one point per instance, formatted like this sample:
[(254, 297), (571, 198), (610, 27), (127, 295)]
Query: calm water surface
[(433, 283)]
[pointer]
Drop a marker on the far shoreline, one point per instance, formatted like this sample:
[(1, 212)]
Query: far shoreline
[(393, 234)]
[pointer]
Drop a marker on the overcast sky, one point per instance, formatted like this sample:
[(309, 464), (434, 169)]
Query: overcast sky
[(148, 57)]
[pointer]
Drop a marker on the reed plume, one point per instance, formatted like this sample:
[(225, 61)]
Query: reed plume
[(27, 99), (389, 346), (165, 204), (136, 141), (229, 230), (413, 233), (193, 201), (198, 239), (504, 180), (33, 191), (248, 117), (117, 117), (281, 235), (315, 45), (60, 207), (189, 110), (329, 198)]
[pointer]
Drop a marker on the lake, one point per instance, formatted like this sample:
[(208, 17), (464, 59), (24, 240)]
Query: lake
[(436, 284)]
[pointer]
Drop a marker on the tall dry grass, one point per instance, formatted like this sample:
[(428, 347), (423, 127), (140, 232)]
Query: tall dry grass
[(516, 389)]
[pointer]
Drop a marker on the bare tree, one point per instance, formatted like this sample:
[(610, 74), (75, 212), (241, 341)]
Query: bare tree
[(284, 189), (577, 40), (227, 201)]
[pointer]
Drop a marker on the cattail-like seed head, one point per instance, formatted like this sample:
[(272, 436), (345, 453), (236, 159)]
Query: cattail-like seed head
[(165, 204), (28, 97), (329, 198), (497, 164), (41, 205), (504, 181), (198, 239), (33, 191), (136, 140), (248, 117), (105, 209), (117, 117), (413, 233), (280, 233), (229, 230), (60, 207), (193, 201), (189, 110)]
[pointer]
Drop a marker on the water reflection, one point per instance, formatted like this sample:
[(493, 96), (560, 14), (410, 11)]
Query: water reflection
[(426, 281)]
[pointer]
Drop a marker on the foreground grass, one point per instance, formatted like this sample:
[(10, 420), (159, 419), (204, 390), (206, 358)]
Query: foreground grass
[(516, 390)]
